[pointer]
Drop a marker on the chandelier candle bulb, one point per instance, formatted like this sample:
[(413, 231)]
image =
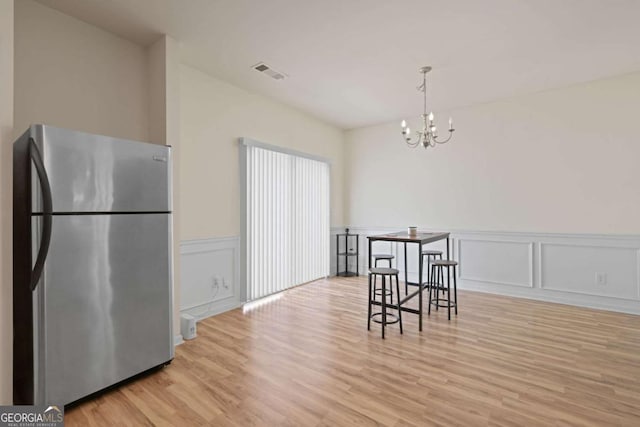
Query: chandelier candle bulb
[(450, 123), (403, 124)]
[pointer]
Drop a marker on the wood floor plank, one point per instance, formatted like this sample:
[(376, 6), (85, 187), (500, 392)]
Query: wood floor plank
[(307, 359)]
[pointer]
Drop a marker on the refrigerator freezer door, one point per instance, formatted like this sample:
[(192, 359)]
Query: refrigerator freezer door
[(106, 299), (92, 173)]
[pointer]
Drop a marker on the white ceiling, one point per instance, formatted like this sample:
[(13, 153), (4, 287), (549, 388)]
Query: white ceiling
[(355, 62)]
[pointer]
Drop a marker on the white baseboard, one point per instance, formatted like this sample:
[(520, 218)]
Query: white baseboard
[(560, 268), (218, 309), (600, 303), (177, 340)]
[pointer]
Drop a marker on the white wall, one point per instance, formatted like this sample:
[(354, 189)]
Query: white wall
[(71, 74), (6, 139), (164, 128), (214, 114), (562, 161), (541, 193)]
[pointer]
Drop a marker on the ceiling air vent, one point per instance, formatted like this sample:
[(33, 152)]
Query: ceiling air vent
[(264, 68)]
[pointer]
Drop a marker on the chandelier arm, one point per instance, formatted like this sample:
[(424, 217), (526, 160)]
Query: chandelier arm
[(435, 138), (412, 144), (407, 140)]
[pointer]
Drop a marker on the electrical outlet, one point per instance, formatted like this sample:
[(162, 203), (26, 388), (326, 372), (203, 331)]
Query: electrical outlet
[(224, 283), (601, 279)]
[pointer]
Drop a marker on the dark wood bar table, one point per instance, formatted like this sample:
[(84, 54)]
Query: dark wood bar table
[(419, 239)]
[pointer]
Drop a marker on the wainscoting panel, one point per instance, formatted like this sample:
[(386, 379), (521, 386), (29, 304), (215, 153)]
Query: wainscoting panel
[(593, 270), (210, 270), (586, 270), (495, 261), (598, 271)]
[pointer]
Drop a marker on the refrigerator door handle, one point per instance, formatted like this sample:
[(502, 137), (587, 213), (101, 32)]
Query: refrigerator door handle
[(47, 210)]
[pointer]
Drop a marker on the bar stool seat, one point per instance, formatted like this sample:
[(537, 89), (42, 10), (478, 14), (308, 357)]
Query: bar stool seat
[(431, 252), (445, 262), (383, 317), (384, 271)]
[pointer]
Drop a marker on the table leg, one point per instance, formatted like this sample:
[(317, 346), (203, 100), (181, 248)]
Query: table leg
[(420, 284), (384, 304), (370, 254), (337, 255), (406, 287), (357, 256), (448, 256)]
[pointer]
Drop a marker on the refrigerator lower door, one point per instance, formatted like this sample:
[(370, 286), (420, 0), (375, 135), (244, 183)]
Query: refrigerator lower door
[(102, 310)]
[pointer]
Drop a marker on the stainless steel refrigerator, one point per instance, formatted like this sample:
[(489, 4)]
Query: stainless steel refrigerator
[(92, 289)]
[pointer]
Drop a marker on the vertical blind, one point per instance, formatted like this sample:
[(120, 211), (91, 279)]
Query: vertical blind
[(287, 208)]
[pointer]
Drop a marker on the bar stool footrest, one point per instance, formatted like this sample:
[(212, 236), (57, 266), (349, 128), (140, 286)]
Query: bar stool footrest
[(442, 303), (378, 292), (394, 318)]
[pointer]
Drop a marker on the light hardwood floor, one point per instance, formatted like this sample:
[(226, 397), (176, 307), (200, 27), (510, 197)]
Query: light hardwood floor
[(308, 360)]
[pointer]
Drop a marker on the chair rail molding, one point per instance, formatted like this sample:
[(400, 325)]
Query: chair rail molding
[(590, 270)]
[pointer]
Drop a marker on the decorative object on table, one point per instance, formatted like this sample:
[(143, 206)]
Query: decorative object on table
[(347, 251), (413, 231), (428, 136)]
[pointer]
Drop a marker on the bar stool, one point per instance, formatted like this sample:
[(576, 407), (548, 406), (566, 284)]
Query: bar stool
[(431, 255), (382, 257), (376, 258), (437, 272), (381, 317)]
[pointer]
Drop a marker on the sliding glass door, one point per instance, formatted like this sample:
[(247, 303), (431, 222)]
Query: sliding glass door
[(286, 224)]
